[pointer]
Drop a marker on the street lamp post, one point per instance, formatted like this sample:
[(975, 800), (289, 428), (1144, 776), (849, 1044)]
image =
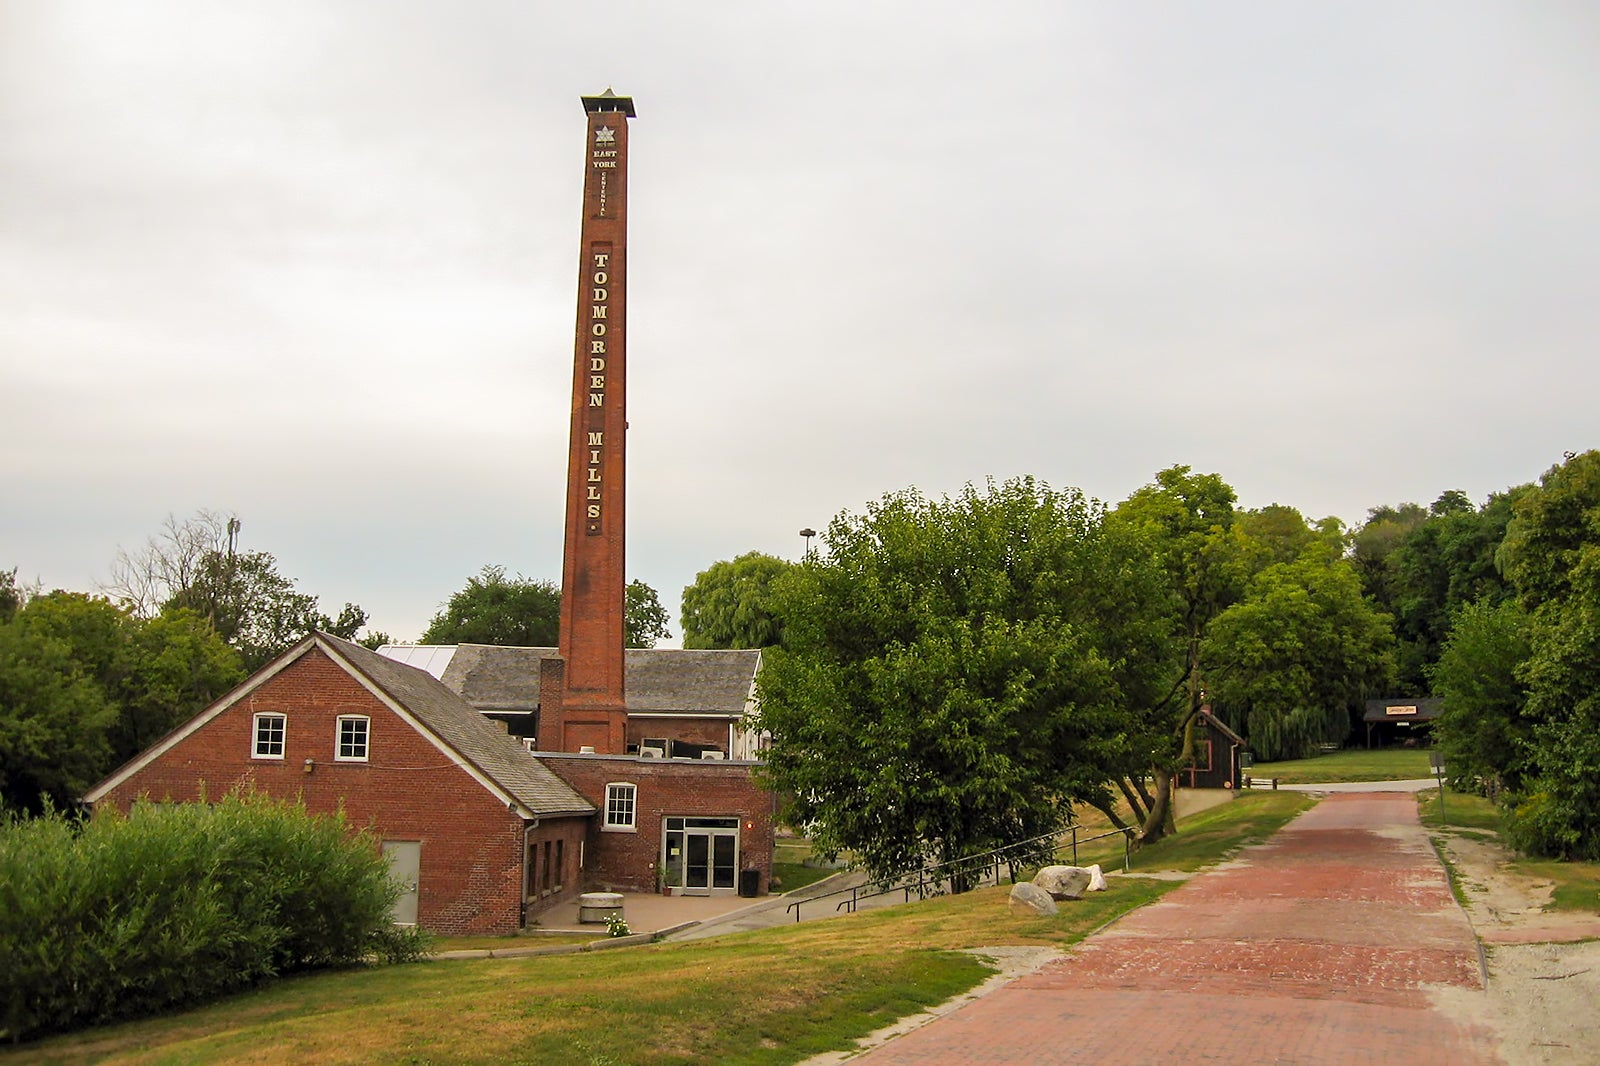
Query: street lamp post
[(807, 533)]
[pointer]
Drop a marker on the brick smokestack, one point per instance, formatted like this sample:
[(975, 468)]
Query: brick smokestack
[(592, 707)]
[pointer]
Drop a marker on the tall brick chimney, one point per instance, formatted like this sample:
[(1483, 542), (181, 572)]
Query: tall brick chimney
[(591, 708)]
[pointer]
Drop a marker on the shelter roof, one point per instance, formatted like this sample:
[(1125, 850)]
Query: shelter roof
[(1403, 709)]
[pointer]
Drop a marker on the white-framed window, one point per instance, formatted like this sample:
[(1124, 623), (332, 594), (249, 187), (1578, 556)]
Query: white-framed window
[(268, 732), (621, 799), (350, 744)]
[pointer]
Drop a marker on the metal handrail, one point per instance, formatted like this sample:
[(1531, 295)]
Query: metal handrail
[(980, 865)]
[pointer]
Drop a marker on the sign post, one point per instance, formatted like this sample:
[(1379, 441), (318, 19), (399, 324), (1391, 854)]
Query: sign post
[(1436, 760)]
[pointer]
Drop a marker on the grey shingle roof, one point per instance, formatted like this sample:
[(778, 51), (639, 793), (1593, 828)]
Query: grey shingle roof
[(658, 680), (482, 743)]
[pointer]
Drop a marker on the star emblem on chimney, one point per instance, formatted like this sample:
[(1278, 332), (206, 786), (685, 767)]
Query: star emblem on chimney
[(604, 135)]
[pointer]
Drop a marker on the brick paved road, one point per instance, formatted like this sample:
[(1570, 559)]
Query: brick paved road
[(1314, 948)]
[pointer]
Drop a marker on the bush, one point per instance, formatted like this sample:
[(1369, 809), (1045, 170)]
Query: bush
[(122, 916)]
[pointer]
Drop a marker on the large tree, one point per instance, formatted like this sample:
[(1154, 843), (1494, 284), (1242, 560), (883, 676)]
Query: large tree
[(496, 609), (197, 565), (53, 722), (1373, 544), (1551, 554), (1482, 731), (956, 673), (85, 685), (1186, 519), (1300, 649), (644, 620), (730, 604), (526, 613), (12, 595), (1444, 563)]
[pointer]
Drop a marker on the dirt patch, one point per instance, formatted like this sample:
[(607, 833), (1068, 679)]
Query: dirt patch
[(1544, 977)]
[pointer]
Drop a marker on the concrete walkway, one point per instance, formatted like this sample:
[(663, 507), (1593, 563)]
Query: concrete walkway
[(1316, 947)]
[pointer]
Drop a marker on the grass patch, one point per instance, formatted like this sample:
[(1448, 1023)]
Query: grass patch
[(1577, 884), (1461, 810), (793, 875), (773, 996), (789, 855), (1354, 764), (1207, 836)]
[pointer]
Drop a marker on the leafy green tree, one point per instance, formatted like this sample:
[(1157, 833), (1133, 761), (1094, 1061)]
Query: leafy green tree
[(521, 612), (197, 565), (956, 673), (1482, 731), (12, 595), (176, 667), (1280, 534), (1551, 553), (1296, 653), (1445, 563), (1186, 519), (730, 604), (496, 609), (1371, 546), (54, 722), (644, 620), (151, 674)]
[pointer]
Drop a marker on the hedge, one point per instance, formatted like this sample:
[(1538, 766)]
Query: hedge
[(173, 903)]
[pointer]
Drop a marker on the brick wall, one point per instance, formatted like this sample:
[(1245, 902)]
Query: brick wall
[(696, 729), (666, 788), (472, 846)]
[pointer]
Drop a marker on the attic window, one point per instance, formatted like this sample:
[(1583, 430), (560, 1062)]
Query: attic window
[(620, 804), (269, 730), (352, 740)]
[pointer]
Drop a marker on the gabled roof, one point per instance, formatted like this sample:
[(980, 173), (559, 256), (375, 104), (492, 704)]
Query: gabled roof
[(1207, 718), (712, 683), (478, 746)]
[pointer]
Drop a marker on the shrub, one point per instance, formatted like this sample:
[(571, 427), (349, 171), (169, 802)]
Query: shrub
[(128, 915)]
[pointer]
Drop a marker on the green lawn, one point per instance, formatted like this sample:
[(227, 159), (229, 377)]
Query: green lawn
[(773, 996), (788, 864), (1351, 764), (1207, 836)]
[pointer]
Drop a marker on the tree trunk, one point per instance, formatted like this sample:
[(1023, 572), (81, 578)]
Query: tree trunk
[(1138, 804), (1160, 821)]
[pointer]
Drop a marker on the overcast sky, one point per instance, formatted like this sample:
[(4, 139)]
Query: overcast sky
[(316, 263)]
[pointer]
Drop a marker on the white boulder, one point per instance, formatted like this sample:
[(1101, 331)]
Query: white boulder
[(1029, 899), (1063, 882)]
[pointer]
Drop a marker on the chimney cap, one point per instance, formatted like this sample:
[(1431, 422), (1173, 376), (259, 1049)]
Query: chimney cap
[(609, 101)]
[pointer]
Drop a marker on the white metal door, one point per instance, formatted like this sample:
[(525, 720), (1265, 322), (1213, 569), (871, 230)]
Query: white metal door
[(405, 866)]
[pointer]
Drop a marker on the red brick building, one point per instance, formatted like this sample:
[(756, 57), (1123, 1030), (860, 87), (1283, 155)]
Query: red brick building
[(680, 797), (481, 832)]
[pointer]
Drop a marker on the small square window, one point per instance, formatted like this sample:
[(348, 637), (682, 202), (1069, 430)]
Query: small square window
[(269, 732), (352, 741), (620, 806)]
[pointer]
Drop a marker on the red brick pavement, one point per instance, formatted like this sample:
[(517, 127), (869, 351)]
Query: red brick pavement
[(1316, 947)]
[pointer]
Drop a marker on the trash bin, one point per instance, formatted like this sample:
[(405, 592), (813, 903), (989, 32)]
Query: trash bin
[(749, 882)]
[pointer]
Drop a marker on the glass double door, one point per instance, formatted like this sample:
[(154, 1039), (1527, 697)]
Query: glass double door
[(702, 855)]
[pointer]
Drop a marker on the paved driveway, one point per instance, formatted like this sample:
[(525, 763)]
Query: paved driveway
[(1316, 947)]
